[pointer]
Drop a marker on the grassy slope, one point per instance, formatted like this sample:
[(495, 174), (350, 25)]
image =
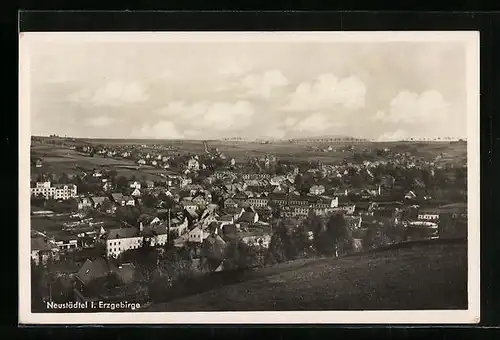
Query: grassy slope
[(430, 276)]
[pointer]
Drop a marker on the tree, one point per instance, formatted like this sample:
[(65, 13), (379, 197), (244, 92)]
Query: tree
[(112, 174), (149, 200), (336, 235), (300, 239), (121, 183), (239, 255)]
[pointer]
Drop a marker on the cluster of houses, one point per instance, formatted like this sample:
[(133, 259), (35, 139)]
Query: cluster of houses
[(49, 190)]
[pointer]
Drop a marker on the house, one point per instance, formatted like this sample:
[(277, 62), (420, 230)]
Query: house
[(185, 181), (141, 162), (135, 185), (56, 191), (262, 240), (249, 217), (179, 226), (197, 235), (230, 203), (41, 250), (258, 202), (353, 222), (410, 195), (213, 251), (428, 215), (84, 203), (317, 190), (187, 203), (235, 212), (136, 193), (154, 234), (150, 184), (227, 219), (121, 240), (200, 201), (122, 200), (98, 201), (107, 186), (38, 163), (66, 241), (193, 164)]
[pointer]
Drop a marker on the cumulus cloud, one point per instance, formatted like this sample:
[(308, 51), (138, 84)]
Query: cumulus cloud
[(262, 85), (161, 130), (290, 121), (328, 92), (317, 122), (114, 93), (410, 107), (393, 136), (218, 116), (100, 121), (234, 68), (273, 133)]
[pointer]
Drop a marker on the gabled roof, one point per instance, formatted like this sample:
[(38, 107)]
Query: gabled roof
[(39, 243), (155, 229), (117, 196), (227, 218), (95, 269), (247, 216), (113, 234)]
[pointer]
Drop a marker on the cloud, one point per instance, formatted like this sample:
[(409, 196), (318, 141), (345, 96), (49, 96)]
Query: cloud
[(100, 121), (393, 136), (218, 116), (273, 133), (114, 93), (317, 122), (410, 108), (328, 92), (161, 130), (290, 121), (234, 68), (262, 85)]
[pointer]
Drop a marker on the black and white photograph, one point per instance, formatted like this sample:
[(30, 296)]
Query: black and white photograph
[(237, 177)]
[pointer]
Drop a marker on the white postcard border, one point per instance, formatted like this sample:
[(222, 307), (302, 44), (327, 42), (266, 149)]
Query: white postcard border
[(471, 315)]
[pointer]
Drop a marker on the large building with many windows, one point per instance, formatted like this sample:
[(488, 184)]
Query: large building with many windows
[(56, 191)]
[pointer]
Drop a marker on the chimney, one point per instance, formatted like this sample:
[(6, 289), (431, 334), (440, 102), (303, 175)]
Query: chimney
[(141, 227)]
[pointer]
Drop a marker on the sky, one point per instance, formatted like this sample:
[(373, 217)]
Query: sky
[(212, 90)]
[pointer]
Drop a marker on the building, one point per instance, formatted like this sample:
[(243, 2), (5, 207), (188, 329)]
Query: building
[(41, 250), (258, 202), (56, 191), (154, 234), (317, 190), (135, 185), (66, 242), (121, 240), (428, 215), (197, 235), (193, 164)]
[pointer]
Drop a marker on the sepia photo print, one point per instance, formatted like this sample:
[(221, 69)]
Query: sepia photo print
[(306, 177)]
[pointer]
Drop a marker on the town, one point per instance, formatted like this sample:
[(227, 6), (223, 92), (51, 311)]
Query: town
[(133, 220)]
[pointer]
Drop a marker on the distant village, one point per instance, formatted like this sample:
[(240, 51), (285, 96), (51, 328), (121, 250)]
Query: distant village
[(93, 230)]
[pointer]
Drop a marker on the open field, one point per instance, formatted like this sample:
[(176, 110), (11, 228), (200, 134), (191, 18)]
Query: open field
[(425, 275), (302, 150), (58, 160)]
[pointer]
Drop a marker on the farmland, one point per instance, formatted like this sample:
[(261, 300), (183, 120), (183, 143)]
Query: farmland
[(430, 275), (66, 159)]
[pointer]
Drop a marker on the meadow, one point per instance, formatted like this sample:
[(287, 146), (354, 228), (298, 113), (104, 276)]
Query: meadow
[(416, 276)]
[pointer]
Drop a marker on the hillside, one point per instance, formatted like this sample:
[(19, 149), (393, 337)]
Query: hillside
[(419, 276)]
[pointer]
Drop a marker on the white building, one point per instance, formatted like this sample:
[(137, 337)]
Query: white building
[(121, 240), (193, 164), (56, 191)]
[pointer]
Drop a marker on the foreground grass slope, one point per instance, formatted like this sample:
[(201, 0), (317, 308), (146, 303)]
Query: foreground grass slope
[(421, 276)]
